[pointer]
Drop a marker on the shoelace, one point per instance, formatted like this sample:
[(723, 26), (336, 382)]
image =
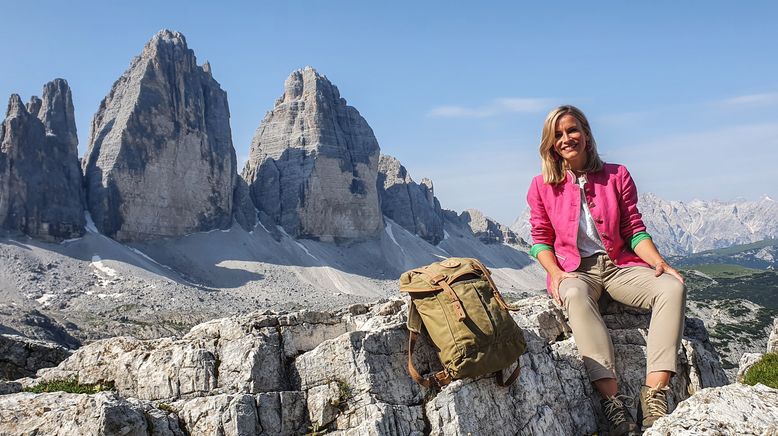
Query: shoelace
[(656, 400), (616, 409)]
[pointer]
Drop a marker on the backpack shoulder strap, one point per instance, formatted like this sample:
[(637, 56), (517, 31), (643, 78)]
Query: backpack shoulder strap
[(497, 295)]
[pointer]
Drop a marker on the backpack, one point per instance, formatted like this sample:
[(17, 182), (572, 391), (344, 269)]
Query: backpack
[(465, 318)]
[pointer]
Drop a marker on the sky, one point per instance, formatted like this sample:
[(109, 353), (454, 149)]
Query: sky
[(685, 94)]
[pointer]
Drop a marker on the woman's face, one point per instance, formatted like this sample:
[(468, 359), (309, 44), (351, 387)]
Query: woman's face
[(570, 141)]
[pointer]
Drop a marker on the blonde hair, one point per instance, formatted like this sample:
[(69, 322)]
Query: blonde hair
[(553, 167)]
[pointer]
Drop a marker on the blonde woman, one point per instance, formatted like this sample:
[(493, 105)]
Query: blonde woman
[(588, 234)]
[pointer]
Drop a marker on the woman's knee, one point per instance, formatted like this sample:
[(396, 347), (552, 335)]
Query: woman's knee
[(575, 294), (673, 290)]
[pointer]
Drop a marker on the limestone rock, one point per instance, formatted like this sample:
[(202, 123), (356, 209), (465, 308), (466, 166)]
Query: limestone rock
[(160, 161), (276, 413), (313, 164), (345, 372), (63, 414), (40, 179), (411, 205), (488, 230), (772, 342), (746, 362), (23, 357), (734, 409)]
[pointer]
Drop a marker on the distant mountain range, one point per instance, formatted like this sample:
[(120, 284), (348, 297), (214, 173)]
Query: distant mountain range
[(682, 228)]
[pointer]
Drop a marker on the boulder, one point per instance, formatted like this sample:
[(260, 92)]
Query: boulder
[(63, 414), (313, 164), (160, 161), (411, 205), (734, 409), (772, 342), (23, 357), (41, 191)]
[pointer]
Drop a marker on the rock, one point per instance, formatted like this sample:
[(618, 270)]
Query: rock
[(23, 357), (345, 372), (488, 230), (104, 413), (734, 409), (160, 161), (276, 413), (40, 179), (313, 164), (772, 342), (746, 362), (411, 205)]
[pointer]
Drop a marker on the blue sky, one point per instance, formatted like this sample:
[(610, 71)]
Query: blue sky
[(684, 93)]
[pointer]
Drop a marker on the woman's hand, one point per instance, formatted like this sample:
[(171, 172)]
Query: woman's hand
[(556, 280), (664, 267)]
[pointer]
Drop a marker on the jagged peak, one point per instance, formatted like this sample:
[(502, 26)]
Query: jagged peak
[(15, 106), (307, 78), (207, 68), (34, 105), (169, 37)]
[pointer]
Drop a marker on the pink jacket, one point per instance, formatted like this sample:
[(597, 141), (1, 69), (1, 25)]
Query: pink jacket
[(612, 199)]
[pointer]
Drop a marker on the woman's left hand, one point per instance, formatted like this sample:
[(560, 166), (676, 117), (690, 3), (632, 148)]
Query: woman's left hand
[(664, 267)]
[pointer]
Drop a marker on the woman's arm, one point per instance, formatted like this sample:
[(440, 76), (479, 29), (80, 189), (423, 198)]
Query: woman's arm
[(647, 251)]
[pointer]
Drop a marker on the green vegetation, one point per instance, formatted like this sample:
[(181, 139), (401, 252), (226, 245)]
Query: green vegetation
[(344, 392), (765, 372), (725, 270), (71, 386), (167, 408)]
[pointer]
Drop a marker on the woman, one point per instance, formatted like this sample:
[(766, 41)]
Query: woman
[(588, 235)]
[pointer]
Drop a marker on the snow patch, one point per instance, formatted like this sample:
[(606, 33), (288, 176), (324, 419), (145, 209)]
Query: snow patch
[(90, 224), (98, 264), (299, 244), (445, 234), (389, 232)]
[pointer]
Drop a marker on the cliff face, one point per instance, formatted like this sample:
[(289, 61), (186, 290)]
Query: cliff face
[(40, 179), (411, 205), (160, 161), (345, 371), (313, 164)]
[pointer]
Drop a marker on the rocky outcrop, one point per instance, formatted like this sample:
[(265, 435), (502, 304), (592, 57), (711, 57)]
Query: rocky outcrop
[(411, 205), (104, 413), (313, 164), (23, 357), (772, 342), (345, 372), (40, 179), (734, 409), (488, 230), (160, 161)]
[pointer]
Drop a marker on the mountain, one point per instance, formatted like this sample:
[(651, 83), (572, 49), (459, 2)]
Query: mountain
[(160, 161), (680, 228), (313, 164), (40, 179)]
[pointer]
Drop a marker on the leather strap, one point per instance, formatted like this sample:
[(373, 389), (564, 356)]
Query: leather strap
[(456, 303), (514, 376), (497, 295), (437, 380)]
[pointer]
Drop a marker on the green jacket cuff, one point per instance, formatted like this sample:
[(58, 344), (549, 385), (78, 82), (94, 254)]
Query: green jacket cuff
[(537, 248), (637, 237)]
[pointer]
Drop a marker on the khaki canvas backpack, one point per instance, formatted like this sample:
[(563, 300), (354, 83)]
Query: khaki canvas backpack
[(466, 319)]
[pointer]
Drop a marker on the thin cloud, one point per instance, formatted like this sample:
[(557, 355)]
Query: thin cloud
[(498, 106), (766, 98)]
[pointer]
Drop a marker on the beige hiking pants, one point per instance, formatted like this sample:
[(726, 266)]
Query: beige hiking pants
[(634, 286)]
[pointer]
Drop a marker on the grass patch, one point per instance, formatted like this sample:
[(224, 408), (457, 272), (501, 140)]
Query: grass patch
[(765, 372), (167, 408), (71, 386)]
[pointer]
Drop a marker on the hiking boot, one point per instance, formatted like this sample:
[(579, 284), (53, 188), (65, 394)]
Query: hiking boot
[(653, 405), (619, 419)]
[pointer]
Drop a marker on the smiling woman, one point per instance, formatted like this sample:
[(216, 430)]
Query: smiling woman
[(588, 235)]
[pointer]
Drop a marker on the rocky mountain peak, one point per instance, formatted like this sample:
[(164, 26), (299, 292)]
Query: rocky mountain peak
[(40, 180), (160, 161), (57, 114), (313, 163), (15, 107)]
